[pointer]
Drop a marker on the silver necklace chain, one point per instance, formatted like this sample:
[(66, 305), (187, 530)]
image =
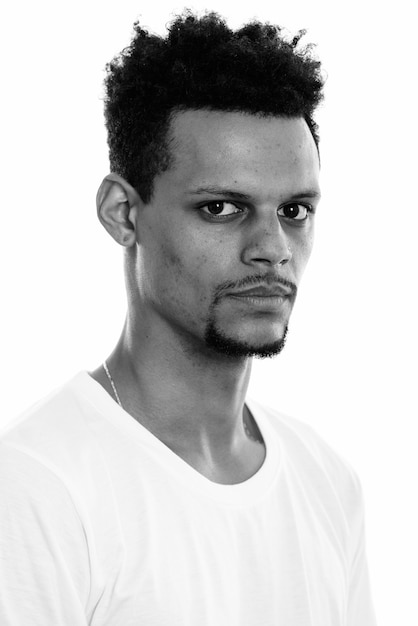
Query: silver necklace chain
[(106, 369), (244, 420)]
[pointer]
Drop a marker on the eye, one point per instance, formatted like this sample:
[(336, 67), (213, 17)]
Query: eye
[(295, 211), (220, 209)]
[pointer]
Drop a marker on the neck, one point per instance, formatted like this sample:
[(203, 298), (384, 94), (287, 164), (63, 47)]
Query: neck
[(189, 398), (179, 395)]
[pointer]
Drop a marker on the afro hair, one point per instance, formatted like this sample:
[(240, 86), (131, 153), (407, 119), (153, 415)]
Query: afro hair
[(200, 64)]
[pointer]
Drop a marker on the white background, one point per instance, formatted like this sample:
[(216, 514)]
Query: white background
[(349, 368)]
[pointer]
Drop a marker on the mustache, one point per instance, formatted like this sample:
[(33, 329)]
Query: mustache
[(254, 281)]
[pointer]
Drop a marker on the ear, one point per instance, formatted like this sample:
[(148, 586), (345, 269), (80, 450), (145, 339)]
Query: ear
[(117, 205)]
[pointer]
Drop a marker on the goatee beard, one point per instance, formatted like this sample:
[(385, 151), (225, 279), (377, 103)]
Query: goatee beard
[(222, 344)]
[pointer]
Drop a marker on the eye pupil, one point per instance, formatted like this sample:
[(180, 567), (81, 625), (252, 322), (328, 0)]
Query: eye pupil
[(292, 210), (215, 207)]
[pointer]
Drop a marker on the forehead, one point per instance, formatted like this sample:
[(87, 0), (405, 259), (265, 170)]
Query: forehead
[(213, 147)]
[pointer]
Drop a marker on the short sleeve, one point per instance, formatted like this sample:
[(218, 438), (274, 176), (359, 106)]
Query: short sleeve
[(44, 564), (360, 605)]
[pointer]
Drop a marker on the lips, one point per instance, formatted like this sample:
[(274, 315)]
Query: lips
[(263, 291)]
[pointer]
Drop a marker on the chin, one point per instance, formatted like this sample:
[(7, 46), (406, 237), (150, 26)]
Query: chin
[(222, 343)]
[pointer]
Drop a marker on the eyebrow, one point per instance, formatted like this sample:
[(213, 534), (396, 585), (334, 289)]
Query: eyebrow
[(219, 191), (230, 193)]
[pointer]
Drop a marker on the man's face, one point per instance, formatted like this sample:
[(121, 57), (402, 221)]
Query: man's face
[(224, 241)]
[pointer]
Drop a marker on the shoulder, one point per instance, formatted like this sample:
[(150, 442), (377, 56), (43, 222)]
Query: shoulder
[(62, 401), (52, 443), (54, 423), (34, 446), (309, 457), (28, 484)]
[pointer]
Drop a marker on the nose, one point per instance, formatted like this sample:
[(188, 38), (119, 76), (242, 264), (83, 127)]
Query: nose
[(267, 243)]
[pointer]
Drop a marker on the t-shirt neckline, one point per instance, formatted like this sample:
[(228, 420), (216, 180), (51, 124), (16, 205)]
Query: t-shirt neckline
[(244, 492)]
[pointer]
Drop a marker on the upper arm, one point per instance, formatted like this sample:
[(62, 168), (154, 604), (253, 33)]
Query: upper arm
[(44, 564)]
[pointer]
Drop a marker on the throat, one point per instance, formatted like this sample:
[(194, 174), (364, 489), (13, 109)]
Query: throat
[(224, 464), (221, 453), (250, 427)]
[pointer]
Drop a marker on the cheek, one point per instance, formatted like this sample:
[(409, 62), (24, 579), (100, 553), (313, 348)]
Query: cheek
[(185, 274), (307, 248), (185, 263), (301, 253), (194, 255)]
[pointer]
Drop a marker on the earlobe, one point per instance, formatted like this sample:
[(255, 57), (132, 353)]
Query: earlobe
[(116, 203)]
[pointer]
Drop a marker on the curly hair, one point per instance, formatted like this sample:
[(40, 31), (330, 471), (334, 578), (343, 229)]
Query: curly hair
[(200, 64)]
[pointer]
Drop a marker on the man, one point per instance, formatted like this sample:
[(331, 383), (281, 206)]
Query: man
[(151, 491)]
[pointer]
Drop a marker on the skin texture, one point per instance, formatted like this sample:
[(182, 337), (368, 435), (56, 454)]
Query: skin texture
[(185, 265)]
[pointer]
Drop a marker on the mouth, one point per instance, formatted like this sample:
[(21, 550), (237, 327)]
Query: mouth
[(262, 292), (263, 298)]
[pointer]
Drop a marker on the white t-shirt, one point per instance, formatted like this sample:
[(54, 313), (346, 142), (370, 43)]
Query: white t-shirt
[(102, 524)]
